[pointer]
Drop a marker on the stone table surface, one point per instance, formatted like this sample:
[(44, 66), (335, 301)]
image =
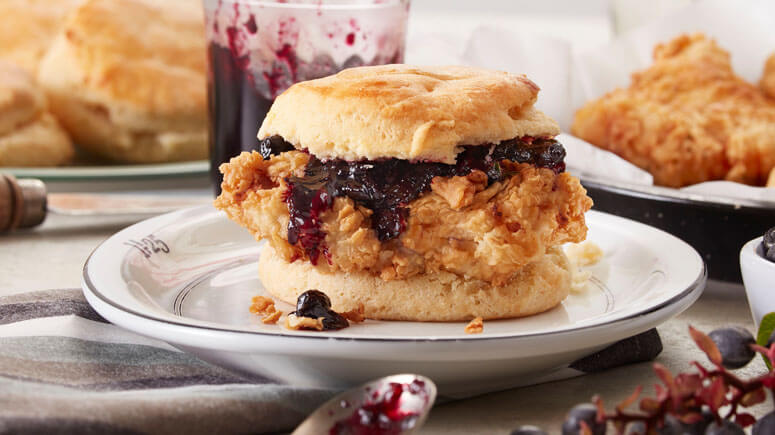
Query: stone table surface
[(51, 256)]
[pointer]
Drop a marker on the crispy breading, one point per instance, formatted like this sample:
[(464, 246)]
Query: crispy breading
[(686, 119), (767, 83), (460, 226)]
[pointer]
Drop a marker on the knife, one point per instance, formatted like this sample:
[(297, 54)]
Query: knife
[(24, 203)]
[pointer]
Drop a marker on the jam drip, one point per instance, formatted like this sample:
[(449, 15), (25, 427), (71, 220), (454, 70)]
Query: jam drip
[(383, 415), (387, 186)]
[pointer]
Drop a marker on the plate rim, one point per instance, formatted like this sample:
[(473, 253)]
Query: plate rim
[(667, 194), (113, 172), (697, 285)]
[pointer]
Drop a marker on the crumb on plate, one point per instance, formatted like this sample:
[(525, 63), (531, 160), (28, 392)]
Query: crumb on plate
[(579, 255), (262, 305), (475, 326), (355, 315), (296, 323), (271, 318)]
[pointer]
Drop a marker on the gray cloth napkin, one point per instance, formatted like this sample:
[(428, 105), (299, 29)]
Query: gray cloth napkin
[(64, 369)]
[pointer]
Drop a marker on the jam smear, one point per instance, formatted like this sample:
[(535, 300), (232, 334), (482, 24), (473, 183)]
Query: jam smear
[(315, 304), (387, 186), (383, 415)]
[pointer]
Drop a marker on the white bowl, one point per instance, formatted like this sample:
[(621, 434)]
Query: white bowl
[(758, 278)]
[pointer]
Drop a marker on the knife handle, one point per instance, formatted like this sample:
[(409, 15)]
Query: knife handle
[(22, 202)]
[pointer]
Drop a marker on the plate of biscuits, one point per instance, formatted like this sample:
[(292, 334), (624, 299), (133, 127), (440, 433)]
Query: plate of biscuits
[(434, 230), (104, 89)]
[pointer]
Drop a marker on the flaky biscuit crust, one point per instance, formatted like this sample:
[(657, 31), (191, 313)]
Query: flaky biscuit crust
[(461, 226), (134, 71), (439, 297), (21, 100), (686, 119), (29, 135), (767, 82), (27, 28), (406, 112)]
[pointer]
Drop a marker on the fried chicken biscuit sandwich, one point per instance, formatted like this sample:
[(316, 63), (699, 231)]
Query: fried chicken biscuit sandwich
[(423, 193)]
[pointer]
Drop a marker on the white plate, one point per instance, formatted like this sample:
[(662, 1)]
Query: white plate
[(188, 277)]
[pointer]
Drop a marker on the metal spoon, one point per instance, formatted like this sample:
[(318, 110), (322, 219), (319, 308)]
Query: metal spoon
[(404, 414)]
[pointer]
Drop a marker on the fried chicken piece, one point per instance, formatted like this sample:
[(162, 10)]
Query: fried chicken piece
[(767, 83), (461, 226), (686, 119)]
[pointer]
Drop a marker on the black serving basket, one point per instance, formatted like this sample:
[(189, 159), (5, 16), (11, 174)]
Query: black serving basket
[(717, 227)]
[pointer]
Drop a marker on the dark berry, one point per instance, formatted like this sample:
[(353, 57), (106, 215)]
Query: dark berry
[(315, 304), (636, 428), (769, 239), (770, 254), (765, 425), (273, 146), (726, 427), (672, 426), (734, 345), (528, 430), (587, 413)]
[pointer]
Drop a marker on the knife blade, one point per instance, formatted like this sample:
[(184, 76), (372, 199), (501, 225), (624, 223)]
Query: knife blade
[(25, 203)]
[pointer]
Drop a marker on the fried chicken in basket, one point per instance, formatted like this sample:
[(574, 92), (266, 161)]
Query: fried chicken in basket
[(686, 119)]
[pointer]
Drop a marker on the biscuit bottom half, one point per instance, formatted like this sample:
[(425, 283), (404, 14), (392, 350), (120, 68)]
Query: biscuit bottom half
[(437, 296)]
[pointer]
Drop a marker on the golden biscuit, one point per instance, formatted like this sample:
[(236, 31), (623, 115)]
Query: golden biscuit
[(437, 297), (27, 28), (406, 112), (127, 79), (29, 135)]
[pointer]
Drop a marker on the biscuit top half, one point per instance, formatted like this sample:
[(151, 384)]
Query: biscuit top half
[(406, 112)]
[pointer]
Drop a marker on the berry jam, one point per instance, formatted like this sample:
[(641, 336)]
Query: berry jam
[(387, 186), (315, 304), (383, 415)]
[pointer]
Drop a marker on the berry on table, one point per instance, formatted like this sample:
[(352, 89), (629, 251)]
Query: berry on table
[(734, 345), (725, 428), (587, 413), (765, 425)]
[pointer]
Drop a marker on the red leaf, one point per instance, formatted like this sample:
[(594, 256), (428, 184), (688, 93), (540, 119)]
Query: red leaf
[(687, 384), (744, 419), (714, 394), (691, 418), (649, 405), (753, 397), (706, 345), (630, 399), (664, 375), (769, 382)]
